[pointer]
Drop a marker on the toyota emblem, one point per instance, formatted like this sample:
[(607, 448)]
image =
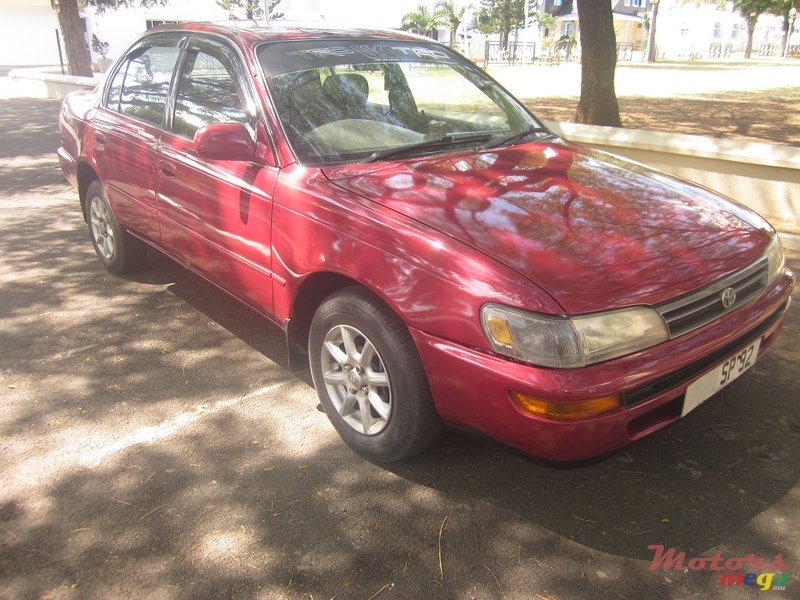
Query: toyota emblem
[(728, 297)]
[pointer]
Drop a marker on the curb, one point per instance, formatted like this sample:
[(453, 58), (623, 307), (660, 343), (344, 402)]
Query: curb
[(790, 241)]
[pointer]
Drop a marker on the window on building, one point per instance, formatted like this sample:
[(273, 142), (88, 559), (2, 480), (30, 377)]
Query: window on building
[(717, 30), (558, 2), (150, 23), (685, 30), (738, 30)]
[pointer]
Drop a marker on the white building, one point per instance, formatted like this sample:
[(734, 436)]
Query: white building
[(29, 28), (28, 33), (691, 29)]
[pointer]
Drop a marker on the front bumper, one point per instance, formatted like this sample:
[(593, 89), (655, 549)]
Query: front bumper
[(473, 388)]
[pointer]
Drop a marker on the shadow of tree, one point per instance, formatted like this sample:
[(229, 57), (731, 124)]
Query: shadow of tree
[(768, 116), (29, 127)]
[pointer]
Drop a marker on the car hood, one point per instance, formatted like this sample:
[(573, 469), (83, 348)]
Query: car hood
[(595, 231)]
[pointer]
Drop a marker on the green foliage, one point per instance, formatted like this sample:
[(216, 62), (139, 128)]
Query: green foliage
[(103, 5), (99, 46), (501, 16), (422, 20), (450, 13), (252, 9), (752, 9)]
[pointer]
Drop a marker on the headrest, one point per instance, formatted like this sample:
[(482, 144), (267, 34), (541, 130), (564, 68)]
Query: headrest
[(348, 89), (306, 78)]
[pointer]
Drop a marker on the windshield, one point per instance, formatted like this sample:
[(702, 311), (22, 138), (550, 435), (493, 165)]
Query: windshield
[(346, 101)]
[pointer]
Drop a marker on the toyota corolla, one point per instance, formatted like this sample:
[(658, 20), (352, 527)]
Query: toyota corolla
[(432, 252)]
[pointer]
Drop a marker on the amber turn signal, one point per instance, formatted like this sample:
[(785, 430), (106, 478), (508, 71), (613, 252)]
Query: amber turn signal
[(566, 410)]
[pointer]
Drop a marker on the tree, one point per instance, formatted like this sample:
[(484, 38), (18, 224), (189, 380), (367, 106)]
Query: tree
[(452, 16), (501, 16), (750, 11), (651, 33), (271, 12), (421, 21), (73, 32), (598, 104), (253, 9), (545, 22), (785, 12), (566, 43)]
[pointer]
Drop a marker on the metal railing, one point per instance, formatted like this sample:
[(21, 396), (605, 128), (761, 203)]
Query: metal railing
[(514, 53)]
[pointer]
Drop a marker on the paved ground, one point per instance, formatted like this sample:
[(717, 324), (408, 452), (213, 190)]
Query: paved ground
[(153, 445)]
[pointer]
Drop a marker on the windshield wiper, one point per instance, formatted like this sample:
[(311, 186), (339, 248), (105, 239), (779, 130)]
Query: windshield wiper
[(507, 139), (433, 143)]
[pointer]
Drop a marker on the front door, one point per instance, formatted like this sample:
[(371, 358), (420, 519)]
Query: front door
[(215, 214)]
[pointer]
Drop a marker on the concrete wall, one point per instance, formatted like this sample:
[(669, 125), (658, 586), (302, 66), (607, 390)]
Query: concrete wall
[(765, 177)]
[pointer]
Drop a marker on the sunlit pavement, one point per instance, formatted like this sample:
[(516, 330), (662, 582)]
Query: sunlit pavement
[(660, 80), (153, 445)]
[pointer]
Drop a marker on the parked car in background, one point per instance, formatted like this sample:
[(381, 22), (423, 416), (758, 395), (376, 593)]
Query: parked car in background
[(430, 250)]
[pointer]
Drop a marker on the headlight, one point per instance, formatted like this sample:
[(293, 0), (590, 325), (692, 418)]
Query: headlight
[(571, 342), (777, 262)]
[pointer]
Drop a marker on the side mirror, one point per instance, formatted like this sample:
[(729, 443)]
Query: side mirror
[(224, 141)]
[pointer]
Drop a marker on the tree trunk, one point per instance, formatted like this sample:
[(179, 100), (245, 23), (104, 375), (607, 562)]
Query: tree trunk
[(69, 20), (651, 35), (748, 47), (598, 103)]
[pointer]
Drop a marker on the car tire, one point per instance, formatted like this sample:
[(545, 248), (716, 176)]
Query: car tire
[(117, 249), (369, 377)]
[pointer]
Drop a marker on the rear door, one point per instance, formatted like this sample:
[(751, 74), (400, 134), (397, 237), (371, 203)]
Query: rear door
[(215, 214), (127, 129)]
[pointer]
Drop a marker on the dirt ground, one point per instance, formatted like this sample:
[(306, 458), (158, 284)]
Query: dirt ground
[(769, 116), (748, 100)]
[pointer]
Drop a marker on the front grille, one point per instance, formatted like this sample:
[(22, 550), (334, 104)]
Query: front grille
[(703, 306), (689, 372)]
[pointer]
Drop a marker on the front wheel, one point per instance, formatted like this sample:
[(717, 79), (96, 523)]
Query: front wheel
[(369, 377), (117, 249)]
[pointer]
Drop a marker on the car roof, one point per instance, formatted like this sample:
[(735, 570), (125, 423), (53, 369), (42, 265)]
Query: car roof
[(255, 32)]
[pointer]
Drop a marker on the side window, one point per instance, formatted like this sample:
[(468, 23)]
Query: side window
[(208, 93), (115, 88), (146, 84)]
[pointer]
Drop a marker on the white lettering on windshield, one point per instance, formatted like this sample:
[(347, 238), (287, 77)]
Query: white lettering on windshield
[(372, 52)]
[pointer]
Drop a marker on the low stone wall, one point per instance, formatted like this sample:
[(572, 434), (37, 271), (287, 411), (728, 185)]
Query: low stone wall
[(764, 177), (43, 82)]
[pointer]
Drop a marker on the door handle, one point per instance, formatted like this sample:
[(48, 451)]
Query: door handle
[(99, 139), (167, 169)]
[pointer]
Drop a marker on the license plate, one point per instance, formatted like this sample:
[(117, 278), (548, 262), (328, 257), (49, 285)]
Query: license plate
[(713, 381)]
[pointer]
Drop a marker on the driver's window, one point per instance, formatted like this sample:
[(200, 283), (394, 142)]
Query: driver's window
[(208, 93), (146, 85)]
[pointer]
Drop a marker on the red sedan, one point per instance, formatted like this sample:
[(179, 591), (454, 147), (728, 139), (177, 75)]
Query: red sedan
[(431, 251)]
